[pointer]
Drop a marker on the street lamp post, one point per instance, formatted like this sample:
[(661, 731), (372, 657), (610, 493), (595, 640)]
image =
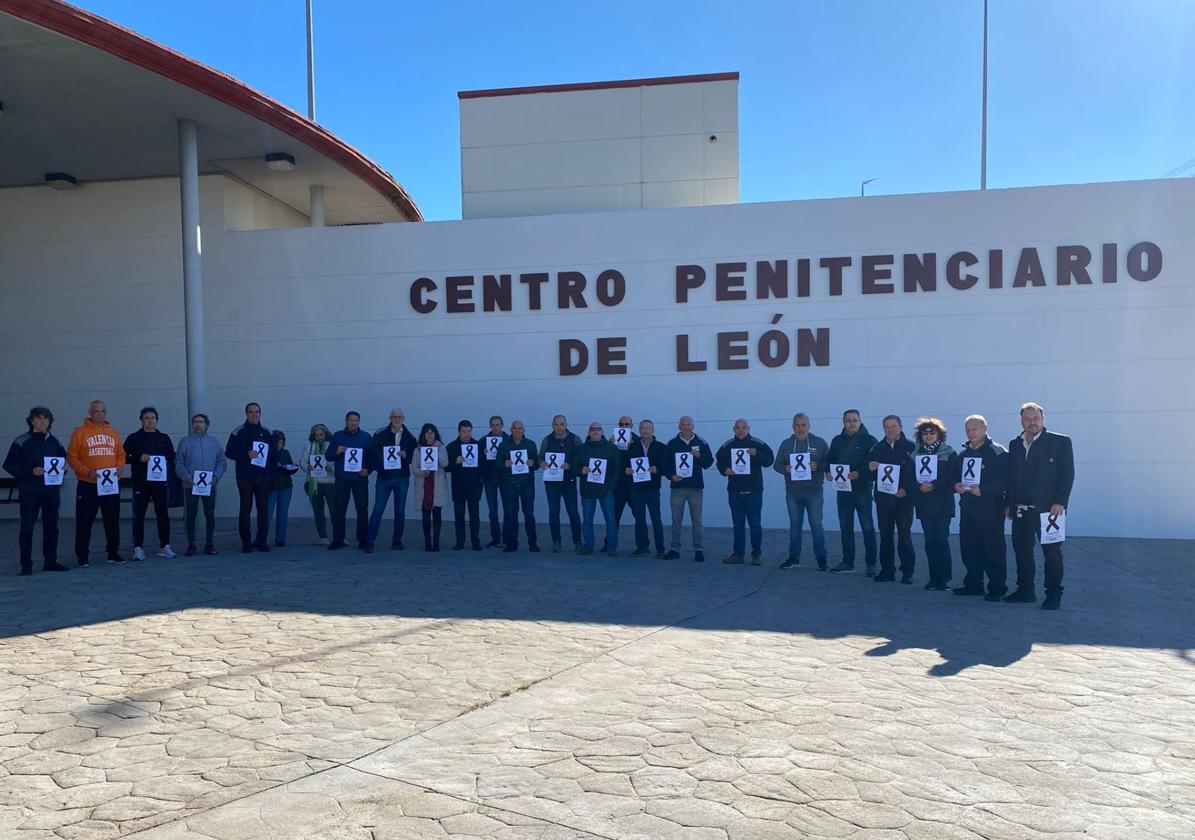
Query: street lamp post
[(863, 186)]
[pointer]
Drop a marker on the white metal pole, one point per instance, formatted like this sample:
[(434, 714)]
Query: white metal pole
[(310, 66), (188, 185), (983, 128)]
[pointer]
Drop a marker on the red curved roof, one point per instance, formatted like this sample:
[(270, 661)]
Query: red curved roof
[(103, 34)]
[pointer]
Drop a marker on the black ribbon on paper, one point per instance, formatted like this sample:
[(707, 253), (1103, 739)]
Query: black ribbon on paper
[(105, 477), (925, 463), (261, 450), (352, 453), (970, 473), (469, 452), (429, 456), (640, 465), (53, 467), (887, 477), (596, 469), (684, 461), (839, 473), (1052, 523), (799, 462), (318, 462), (740, 457), (202, 480), (157, 463), (518, 456)]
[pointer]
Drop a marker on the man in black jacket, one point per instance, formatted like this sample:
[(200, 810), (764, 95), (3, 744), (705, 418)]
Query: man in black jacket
[(622, 438), (394, 477), (598, 490), (981, 489), (562, 442), (27, 463), (150, 455), (891, 466), (745, 489), (519, 459), (688, 448), (465, 457), (251, 448), (1040, 477), (491, 476), (646, 460), (851, 448)]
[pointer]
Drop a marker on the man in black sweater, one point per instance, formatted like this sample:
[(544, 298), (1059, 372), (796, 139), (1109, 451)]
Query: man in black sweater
[(1041, 473), (851, 449), (465, 457), (891, 466), (557, 449), (251, 448), (491, 476), (981, 510), (28, 459), (697, 456), (742, 459), (622, 438), (150, 455), (647, 461)]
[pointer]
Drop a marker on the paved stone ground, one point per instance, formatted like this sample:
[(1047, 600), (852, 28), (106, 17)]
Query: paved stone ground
[(306, 694)]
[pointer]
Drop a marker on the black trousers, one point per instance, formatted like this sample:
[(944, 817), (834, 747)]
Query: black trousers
[(87, 503), (937, 547), (152, 492), (515, 496), (254, 491), (645, 504), (1026, 531), (473, 505), (896, 518), (622, 498), (359, 491), (493, 495), (981, 541), (47, 504), (433, 520)]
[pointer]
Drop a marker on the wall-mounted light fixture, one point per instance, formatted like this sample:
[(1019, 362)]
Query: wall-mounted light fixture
[(61, 181), (280, 161)]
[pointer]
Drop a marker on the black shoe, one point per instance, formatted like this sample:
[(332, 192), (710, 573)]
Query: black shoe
[(699, 557), (843, 567), (398, 546), (789, 563), (509, 548), (279, 544), (336, 546), (1021, 597), (493, 544), (477, 546), (458, 547), (54, 566), (534, 548), (906, 578), (998, 595), (116, 559), (1053, 601), (26, 571), (884, 577), (84, 563), (639, 552), (660, 555), (672, 555), (966, 590), (263, 548), (209, 549), (933, 584), (871, 571), (247, 548), (368, 549), (823, 566)]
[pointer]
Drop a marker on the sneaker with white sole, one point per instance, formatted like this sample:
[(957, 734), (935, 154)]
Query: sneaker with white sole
[(138, 553), (167, 552)]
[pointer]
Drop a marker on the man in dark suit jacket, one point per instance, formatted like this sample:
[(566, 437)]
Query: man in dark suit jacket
[(1040, 477)]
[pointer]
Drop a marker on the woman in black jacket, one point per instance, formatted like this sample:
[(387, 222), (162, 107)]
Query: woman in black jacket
[(281, 487), (934, 499)]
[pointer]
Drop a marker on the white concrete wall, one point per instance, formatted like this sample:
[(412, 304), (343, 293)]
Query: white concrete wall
[(311, 322), (605, 149)]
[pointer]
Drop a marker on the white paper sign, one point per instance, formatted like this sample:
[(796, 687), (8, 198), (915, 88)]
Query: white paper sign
[(888, 478), (107, 482), (972, 470), (799, 466), (518, 462), (553, 466), (684, 464), (1053, 528), (429, 458), (392, 457), (468, 454), (354, 459), (53, 470), (201, 483), (839, 477), (926, 468), (259, 451), (155, 468), (740, 461), (597, 471), (319, 468), (622, 438), (640, 469), (492, 442)]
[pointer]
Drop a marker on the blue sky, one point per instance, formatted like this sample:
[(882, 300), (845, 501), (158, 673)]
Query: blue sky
[(831, 92)]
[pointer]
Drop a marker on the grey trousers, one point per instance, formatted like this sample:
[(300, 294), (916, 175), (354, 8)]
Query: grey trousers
[(678, 499)]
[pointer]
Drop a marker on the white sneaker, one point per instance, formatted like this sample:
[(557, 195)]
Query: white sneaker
[(138, 553), (167, 552)]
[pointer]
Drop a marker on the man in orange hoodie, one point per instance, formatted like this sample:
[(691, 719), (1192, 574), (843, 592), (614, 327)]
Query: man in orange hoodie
[(96, 447)]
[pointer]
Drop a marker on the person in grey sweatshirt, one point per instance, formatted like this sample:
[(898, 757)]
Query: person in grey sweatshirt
[(199, 451)]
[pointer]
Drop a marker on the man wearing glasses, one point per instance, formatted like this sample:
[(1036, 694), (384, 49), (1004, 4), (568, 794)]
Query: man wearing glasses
[(623, 439), (394, 477)]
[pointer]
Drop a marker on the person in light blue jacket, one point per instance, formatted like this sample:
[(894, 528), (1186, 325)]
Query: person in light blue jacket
[(199, 451)]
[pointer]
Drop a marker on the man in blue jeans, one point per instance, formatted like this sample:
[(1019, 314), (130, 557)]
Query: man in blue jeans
[(597, 487), (393, 447), (558, 448), (801, 460), (352, 458), (742, 459), (851, 449)]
